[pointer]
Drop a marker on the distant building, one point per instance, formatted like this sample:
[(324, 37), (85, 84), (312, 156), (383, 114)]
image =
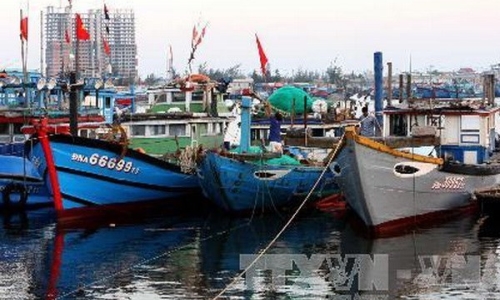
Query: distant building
[(121, 62)]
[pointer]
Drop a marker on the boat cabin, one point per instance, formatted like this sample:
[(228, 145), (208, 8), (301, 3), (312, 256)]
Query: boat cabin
[(467, 129)]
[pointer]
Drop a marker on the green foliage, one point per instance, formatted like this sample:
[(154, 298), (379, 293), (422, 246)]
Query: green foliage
[(333, 74), (216, 74)]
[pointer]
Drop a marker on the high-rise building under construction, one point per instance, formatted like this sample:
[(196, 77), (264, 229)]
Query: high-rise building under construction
[(110, 51)]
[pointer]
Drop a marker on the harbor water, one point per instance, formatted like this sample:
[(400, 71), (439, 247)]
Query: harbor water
[(320, 255)]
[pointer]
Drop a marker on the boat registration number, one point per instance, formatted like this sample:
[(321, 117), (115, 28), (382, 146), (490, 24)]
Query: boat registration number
[(449, 183), (105, 161)]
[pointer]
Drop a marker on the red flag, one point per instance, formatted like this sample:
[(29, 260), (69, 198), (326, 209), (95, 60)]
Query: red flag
[(81, 32), (262, 56), (66, 36), (105, 43), (24, 28)]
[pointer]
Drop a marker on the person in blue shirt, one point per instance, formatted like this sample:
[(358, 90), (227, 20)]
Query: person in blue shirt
[(367, 123), (275, 120)]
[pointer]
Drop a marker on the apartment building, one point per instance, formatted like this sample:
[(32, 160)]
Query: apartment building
[(91, 57)]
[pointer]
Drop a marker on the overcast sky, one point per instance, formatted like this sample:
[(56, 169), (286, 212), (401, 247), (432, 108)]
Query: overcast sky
[(307, 35)]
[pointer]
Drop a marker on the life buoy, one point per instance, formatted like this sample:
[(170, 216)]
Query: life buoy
[(14, 188)]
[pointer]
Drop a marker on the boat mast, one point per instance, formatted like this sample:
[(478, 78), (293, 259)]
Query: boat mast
[(73, 90), (24, 55), (379, 88)]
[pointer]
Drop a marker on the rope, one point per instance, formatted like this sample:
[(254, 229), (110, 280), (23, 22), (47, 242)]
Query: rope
[(239, 276), (187, 160)]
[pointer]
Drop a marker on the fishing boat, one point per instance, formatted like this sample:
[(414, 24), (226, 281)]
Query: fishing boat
[(21, 185), (175, 118), (95, 176), (249, 179), (22, 103), (390, 188)]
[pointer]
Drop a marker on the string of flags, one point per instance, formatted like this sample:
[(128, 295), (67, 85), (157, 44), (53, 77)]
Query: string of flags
[(196, 39)]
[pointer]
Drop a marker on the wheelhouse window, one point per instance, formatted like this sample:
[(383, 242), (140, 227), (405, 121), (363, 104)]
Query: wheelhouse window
[(107, 102), (4, 128), (138, 130), (198, 96), (177, 130), (398, 125), (157, 129), (17, 128), (178, 97)]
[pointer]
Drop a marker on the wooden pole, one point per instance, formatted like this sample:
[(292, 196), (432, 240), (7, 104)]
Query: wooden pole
[(73, 104), (401, 88), (408, 87), (305, 121), (389, 83)]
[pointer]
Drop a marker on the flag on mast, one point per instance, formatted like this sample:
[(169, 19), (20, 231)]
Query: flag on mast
[(107, 49), (24, 27), (262, 57), (202, 34), (81, 31), (196, 39), (106, 12)]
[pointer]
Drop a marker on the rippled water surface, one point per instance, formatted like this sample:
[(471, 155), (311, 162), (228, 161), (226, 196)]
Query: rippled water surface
[(318, 256)]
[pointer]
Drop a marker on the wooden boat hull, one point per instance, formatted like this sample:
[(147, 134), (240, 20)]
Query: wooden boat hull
[(99, 173), (242, 185), (386, 187), (21, 186)]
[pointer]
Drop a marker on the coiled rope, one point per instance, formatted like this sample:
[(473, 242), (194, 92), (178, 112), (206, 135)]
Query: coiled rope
[(187, 160)]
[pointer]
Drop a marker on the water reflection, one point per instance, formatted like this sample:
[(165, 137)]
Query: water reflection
[(24, 242), (197, 257)]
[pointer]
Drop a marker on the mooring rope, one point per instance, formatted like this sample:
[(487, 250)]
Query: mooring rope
[(262, 252)]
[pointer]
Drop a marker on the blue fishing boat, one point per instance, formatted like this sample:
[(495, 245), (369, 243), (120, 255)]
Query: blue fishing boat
[(22, 102), (21, 185), (245, 180), (90, 176)]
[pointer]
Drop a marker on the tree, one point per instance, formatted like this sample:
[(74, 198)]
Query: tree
[(334, 73)]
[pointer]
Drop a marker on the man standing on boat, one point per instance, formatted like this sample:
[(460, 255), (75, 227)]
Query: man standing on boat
[(367, 123), (274, 129)]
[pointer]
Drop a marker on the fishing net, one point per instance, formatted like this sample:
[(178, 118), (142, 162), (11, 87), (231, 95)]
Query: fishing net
[(291, 99), (283, 160)]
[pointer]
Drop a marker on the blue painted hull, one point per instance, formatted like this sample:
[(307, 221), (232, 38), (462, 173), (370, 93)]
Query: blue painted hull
[(240, 186), (18, 176), (94, 173)]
